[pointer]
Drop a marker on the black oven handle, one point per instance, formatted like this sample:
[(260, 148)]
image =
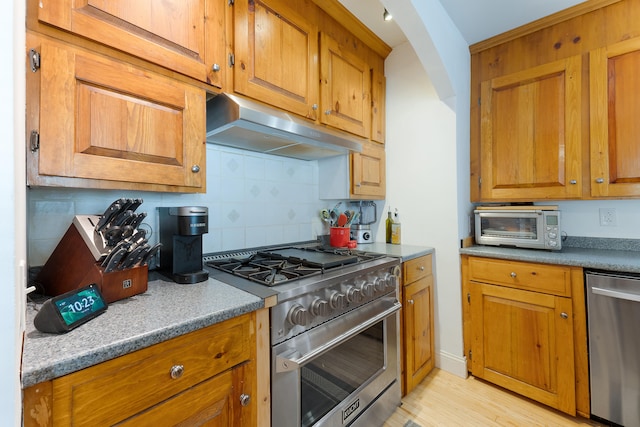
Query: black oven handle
[(287, 361)]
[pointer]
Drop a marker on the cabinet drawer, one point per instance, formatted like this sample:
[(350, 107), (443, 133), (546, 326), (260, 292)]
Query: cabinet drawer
[(550, 279), (116, 390), (417, 268)]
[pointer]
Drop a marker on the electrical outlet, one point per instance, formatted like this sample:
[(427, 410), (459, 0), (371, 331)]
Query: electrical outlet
[(608, 217)]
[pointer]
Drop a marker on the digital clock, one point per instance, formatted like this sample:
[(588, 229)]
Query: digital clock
[(64, 312)]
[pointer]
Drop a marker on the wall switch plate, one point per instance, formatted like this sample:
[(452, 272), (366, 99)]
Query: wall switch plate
[(608, 217)]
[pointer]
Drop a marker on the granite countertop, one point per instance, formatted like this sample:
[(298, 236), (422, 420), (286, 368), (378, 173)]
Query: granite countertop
[(164, 311), (621, 255), (405, 252)]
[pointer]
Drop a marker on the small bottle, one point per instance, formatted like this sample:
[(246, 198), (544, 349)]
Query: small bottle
[(388, 224), (395, 228)]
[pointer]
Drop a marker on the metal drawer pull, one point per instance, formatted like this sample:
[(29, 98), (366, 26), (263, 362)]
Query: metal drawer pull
[(410, 301), (513, 274), (616, 294), (245, 399), (176, 371), (421, 268), (564, 315)]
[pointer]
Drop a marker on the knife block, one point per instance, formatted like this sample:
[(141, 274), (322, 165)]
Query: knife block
[(73, 265)]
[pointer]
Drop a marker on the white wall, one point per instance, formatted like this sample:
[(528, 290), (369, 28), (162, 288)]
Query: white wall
[(422, 183), (12, 225)]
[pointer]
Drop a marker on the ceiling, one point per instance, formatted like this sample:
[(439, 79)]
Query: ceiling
[(477, 20)]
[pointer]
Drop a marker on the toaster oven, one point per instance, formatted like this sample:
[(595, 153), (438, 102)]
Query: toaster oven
[(536, 227)]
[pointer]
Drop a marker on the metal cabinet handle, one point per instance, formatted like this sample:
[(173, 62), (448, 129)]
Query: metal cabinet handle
[(215, 68), (573, 182), (176, 371), (314, 107), (195, 168), (410, 301), (422, 268), (599, 180), (327, 112), (513, 274), (245, 399), (564, 315)]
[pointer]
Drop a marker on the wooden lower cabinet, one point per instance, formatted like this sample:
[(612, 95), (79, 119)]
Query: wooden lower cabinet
[(417, 322), (204, 378), (525, 330)]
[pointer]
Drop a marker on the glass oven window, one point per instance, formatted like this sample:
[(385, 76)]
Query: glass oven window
[(511, 227), (328, 379)]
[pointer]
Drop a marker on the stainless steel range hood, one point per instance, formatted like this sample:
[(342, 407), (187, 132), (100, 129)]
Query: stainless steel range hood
[(238, 122)]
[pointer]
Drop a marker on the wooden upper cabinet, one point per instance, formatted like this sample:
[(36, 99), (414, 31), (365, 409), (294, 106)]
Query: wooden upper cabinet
[(108, 124), (345, 94), (614, 121), (276, 56), (378, 98), (368, 172), (531, 133), (183, 35)]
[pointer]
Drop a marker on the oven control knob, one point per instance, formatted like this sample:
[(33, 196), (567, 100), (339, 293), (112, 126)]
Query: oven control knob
[(392, 281), (319, 307), (367, 289), (354, 295), (297, 315), (380, 284), (337, 301)]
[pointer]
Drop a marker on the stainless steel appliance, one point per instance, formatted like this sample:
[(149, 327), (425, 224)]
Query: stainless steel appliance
[(536, 227), (334, 331), (613, 311)]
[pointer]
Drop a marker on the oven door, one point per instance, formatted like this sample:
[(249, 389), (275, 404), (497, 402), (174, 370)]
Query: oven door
[(343, 372)]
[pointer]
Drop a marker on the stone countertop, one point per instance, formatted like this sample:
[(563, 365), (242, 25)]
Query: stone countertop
[(405, 252), (166, 310), (586, 257)]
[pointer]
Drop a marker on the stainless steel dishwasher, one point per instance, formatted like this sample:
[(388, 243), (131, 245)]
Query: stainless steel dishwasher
[(613, 304)]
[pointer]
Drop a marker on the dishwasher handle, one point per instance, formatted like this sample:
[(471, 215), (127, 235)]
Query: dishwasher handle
[(616, 294)]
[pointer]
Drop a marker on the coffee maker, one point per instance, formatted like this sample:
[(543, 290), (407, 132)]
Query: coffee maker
[(181, 230)]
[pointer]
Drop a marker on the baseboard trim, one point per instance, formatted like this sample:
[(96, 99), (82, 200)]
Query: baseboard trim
[(456, 365)]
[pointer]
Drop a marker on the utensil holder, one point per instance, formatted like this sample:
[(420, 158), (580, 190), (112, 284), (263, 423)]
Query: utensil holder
[(73, 264), (339, 236)]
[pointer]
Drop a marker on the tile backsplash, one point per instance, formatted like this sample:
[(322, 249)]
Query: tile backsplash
[(253, 199)]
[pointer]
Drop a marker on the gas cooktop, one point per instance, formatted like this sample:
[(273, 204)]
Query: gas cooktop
[(276, 266)]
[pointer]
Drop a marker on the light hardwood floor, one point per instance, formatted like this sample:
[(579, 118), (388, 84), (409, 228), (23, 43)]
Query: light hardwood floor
[(444, 399)]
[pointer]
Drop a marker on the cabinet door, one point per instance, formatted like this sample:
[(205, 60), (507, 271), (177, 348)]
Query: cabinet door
[(615, 109), (523, 341), (368, 172), (170, 33), (276, 56), (531, 133), (345, 88), (100, 119), (378, 98), (418, 323)]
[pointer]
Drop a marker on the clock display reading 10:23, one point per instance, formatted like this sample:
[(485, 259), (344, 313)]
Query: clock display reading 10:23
[(77, 306)]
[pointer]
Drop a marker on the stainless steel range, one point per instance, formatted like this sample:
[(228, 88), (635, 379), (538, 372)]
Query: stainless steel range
[(334, 331)]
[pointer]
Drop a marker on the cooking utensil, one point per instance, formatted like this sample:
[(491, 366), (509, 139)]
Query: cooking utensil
[(342, 220), (325, 215)]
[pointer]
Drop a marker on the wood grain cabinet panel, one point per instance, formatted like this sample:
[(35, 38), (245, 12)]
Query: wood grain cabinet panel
[(418, 357), (182, 35), (525, 329), (276, 56), (368, 172), (614, 112), (110, 124), (345, 94), (191, 380), (531, 133)]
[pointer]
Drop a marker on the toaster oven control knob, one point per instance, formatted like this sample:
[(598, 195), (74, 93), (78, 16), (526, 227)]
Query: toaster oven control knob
[(337, 300), (354, 295), (319, 307), (297, 315)]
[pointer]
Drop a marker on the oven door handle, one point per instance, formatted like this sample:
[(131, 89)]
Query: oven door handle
[(291, 359)]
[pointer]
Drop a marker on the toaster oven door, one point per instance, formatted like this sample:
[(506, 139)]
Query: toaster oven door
[(522, 228)]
